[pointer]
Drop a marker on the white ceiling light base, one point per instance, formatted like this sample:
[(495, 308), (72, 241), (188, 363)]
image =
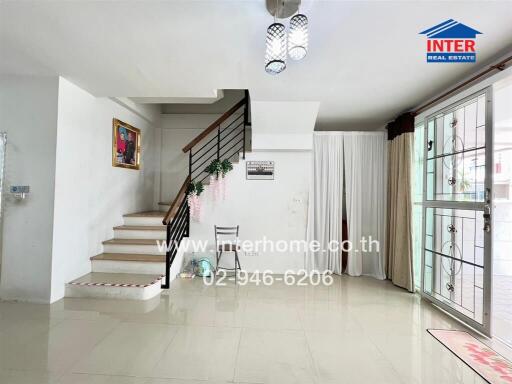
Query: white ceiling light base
[(282, 9)]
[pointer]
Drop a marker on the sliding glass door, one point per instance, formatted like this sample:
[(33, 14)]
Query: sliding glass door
[(456, 262)]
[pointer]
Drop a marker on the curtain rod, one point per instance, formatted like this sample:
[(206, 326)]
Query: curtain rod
[(500, 66)]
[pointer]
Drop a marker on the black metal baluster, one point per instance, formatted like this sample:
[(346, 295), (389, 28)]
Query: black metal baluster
[(218, 142), (167, 257), (190, 164), (187, 230), (246, 120)]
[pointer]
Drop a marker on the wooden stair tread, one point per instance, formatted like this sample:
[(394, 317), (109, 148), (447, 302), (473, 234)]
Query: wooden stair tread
[(146, 214), (130, 257), (133, 241), (140, 227)]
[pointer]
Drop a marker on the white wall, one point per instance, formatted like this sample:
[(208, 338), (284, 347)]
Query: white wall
[(90, 194), (177, 130), (275, 208), (150, 112), (28, 112), (283, 125), (276, 125)]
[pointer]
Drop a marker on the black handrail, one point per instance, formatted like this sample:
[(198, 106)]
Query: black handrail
[(177, 218)]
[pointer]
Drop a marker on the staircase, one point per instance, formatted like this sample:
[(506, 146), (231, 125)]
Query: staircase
[(132, 266)]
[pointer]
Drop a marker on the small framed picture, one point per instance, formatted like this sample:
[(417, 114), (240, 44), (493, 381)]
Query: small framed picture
[(259, 170), (125, 145)]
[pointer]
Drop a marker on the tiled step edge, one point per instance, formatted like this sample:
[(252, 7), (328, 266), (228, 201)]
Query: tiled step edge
[(117, 284)]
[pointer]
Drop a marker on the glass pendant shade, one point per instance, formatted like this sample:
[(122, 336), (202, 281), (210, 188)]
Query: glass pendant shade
[(298, 37), (275, 55)]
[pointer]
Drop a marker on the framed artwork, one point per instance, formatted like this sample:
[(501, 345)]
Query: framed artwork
[(259, 170), (125, 145)]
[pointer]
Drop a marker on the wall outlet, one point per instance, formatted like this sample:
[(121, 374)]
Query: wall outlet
[(20, 189), (252, 253)]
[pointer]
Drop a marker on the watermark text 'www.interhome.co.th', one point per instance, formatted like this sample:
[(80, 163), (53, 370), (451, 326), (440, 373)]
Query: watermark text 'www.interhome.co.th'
[(364, 245)]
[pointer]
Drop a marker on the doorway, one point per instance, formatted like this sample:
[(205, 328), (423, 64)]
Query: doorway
[(457, 196)]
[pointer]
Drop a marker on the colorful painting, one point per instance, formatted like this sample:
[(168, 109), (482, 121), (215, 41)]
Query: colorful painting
[(125, 145)]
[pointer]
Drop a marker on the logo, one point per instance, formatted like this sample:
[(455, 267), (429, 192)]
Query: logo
[(451, 42)]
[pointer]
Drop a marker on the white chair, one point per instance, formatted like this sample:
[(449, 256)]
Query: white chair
[(226, 240)]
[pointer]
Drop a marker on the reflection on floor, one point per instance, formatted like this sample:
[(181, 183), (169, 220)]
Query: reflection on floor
[(502, 307), (502, 267), (358, 330)]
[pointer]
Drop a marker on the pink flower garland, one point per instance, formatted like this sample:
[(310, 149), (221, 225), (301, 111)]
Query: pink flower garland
[(194, 205)]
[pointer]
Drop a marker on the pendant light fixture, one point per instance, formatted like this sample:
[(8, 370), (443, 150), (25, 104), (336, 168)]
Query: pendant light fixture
[(275, 54), (275, 57), (298, 37), (279, 44)]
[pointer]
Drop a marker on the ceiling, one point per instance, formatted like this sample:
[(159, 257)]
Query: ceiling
[(366, 61), (229, 98)]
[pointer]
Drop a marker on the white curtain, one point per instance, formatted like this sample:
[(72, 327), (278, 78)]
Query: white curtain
[(365, 156), (326, 202), (357, 159)]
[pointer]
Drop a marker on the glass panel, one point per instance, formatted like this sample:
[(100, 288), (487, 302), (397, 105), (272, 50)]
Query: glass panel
[(502, 213), (428, 273), (452, 242), (456, 153)]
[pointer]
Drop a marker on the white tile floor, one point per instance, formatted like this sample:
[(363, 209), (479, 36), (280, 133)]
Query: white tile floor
[(358, 330), (502, 307)]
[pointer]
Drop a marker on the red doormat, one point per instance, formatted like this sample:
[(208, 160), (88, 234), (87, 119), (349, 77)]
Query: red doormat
[(493, 367)]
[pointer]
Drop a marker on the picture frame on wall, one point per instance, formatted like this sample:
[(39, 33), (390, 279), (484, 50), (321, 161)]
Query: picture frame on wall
[(259, 170), (125, 145)]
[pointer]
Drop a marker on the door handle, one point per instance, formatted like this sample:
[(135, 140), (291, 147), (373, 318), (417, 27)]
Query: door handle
[(487, 195), (487, 218)]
